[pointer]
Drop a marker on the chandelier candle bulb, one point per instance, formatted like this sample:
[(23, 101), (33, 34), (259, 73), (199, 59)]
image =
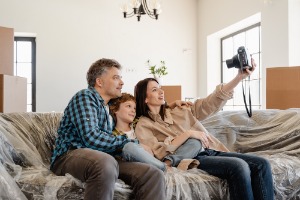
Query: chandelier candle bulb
[(141, 7)]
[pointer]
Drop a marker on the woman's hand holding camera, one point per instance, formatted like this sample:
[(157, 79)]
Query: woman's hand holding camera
[(247, 71)]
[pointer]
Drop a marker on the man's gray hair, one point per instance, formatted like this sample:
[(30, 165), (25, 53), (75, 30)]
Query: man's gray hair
[(98, 68)]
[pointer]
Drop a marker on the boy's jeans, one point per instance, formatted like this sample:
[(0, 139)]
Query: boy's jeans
[(135, 153), (187, 150)]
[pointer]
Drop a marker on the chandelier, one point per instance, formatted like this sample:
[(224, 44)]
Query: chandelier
[(141, 7)]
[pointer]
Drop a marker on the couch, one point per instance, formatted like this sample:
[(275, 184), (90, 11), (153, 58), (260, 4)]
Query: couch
[(27, 140)]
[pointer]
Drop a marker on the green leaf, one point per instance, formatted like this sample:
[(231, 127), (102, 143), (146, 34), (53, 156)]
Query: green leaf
[(159, 71)]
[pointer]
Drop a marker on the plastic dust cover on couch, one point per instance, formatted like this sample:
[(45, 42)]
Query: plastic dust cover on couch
[(27, 140), (30, 138)]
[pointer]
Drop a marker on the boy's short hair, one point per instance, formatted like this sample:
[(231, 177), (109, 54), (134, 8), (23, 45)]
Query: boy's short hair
[(115, 103)]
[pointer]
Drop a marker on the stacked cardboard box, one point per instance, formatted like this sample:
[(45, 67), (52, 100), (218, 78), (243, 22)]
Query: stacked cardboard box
[(13, 89), (172, 92), (283, 87)]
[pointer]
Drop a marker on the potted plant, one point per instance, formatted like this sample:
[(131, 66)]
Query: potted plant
[(158, 71)]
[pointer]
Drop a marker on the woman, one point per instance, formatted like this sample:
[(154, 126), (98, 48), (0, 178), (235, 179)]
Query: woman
[(123, 111), (159, 127)]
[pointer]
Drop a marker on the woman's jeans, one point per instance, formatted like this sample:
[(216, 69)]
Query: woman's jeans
[(135, 153), (248, 176)]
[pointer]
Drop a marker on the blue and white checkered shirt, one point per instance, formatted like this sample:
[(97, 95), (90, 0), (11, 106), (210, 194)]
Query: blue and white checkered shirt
[(86, 124)]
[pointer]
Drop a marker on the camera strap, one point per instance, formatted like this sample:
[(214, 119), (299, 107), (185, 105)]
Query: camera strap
[(249, 111)]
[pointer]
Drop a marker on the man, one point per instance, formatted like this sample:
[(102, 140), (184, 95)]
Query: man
[(85, 143)]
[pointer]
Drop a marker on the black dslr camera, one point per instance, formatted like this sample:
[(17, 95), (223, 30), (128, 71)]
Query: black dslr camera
[(242, 60)]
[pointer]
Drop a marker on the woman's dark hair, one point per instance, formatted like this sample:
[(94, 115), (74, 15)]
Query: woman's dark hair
[(98, 68), (140, 94)]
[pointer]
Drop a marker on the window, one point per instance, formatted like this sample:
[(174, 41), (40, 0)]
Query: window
[(24, 66), (250, 38)]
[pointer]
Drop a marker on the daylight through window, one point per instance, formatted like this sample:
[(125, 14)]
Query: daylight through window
[(24, 66), (251, 39)]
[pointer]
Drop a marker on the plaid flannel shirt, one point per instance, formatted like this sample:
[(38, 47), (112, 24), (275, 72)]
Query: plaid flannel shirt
[(86, 124)]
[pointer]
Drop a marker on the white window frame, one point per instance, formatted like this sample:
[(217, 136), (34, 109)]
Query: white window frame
[(255, 81), (31, 96)]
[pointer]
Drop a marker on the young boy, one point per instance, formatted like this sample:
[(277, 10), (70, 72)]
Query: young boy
[(123, 111)]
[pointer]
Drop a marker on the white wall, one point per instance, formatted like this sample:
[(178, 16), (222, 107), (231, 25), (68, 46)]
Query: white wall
[(294, 32), (71, 34), (280, 35), (215, 16)]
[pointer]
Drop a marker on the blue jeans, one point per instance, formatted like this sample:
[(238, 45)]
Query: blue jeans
[(248, 176), (133, 152), (189, 149)]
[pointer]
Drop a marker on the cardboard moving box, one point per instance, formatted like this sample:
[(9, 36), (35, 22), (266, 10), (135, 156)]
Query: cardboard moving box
[(6, 51), (283, 88), (13, 94), (172, 92)]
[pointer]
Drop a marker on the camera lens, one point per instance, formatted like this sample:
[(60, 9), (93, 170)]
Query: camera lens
[(234, 62)]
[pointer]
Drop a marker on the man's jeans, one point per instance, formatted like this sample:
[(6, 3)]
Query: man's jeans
[(249, 176), (100, 171)]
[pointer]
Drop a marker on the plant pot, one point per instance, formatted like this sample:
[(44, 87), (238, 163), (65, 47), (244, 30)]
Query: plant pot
[(159, 79)]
